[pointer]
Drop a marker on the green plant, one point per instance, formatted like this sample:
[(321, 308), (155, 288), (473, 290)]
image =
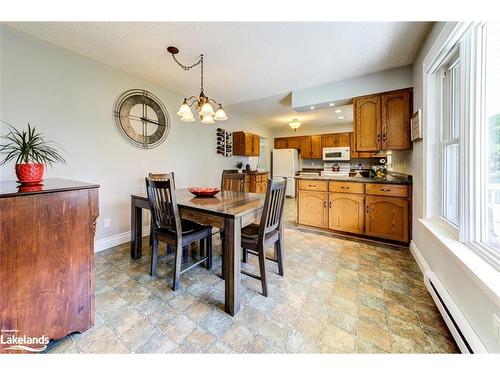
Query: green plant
[(29, 147), (239, 165)]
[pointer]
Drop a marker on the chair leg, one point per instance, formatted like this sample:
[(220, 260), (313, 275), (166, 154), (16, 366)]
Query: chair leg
[(244, 259), (262, 266), (278, 249), (177, 267), (209, 252), (154, 256)]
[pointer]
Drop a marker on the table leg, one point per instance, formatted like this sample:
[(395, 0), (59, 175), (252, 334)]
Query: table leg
[(232, 265), (135, 230)]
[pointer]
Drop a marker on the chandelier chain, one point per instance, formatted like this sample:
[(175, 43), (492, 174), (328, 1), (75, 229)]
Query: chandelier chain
[(188, 67)]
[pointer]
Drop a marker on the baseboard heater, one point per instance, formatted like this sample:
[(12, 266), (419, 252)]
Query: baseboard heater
[(465, 337)]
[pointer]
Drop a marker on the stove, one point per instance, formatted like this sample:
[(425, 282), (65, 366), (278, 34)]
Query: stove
[(343, 170)]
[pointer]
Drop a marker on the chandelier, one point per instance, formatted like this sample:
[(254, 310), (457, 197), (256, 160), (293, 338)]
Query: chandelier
[(201, 102), (295, 124)]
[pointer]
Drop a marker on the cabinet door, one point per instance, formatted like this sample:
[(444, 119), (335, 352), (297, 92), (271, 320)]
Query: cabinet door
[(313, 209), (280, 143), (316, 150), (367, 127), (343, 140), (396, 120), (294, 142), (248, 144), (328, 140), (346, 212), (387, 218), (305, 147), (255, 145)]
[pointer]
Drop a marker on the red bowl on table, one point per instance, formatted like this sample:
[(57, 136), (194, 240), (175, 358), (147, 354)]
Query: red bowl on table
[(204, 191)]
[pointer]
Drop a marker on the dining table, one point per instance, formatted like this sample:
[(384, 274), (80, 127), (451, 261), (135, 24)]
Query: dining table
[(228, 210)]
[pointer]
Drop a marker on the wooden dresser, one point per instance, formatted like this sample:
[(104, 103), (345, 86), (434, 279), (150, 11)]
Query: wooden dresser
[(256, 182), (46, 258)]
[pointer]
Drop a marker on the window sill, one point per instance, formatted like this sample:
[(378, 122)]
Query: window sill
[(480, 270)]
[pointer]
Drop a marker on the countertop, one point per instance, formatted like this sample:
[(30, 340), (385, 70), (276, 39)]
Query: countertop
[(49, 185), (397, 180), (255, 172)]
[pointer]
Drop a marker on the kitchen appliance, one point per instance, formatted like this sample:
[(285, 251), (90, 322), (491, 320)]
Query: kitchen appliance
[(286, 165), (336, 169), (336, 153)]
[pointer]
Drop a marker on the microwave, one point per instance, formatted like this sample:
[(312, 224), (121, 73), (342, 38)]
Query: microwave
[(336, 153)]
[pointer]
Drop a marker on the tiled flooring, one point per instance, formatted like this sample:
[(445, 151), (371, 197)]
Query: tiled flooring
[(337, 296)]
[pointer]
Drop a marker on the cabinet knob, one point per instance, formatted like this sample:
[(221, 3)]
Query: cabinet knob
[(367, 208), (324, 204), (330, 204)]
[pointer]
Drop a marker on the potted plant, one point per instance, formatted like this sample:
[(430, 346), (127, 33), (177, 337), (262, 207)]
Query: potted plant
[(239, 165), (31, 152)]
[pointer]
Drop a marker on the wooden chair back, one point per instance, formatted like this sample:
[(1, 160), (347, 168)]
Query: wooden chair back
[(272, 212), (229, 171), (163, 205), (233, 182), (162, 176)]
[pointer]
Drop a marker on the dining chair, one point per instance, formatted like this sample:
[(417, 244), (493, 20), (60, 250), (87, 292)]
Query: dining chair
[(230, 171), (158, 177), (255, 238), (233, 182), (169, 228)]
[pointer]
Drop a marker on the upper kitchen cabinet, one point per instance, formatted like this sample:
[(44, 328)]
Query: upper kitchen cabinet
[(305, 147), (246, 144), (316, 149), (294, 142), (382, 121), (280, 143), (336, 140)]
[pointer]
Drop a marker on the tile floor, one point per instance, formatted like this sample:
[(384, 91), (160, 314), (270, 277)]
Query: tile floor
[(337, 296)]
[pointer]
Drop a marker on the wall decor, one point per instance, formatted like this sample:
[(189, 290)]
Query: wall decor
[(224, 142), (416, 128), (141, 118)]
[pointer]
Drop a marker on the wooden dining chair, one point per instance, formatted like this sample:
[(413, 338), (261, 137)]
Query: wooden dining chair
[(169, 228), (255, 238), (158, 177), (233, 182)]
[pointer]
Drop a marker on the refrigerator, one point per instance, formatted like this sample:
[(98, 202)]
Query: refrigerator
[(285, 165)]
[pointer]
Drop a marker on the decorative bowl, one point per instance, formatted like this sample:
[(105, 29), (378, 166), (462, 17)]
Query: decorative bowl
[(204, 191)]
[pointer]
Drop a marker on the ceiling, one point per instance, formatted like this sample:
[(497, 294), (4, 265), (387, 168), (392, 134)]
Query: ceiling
[(244, 61)]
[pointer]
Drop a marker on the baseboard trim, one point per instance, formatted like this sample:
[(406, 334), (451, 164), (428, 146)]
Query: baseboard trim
[(115, 240)]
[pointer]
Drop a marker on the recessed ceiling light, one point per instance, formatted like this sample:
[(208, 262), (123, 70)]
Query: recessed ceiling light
[(340, 117), (312, 107), (338, 110), (331, 104)]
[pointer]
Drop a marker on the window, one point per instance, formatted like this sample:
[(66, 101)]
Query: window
[(491, 124), (450, 139)]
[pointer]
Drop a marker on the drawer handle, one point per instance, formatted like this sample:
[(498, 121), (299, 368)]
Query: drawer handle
[(345, 187), (385, 190)]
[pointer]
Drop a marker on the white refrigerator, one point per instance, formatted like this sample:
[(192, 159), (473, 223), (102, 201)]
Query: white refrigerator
[(285, 165)]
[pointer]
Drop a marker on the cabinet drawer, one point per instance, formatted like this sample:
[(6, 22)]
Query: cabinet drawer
[(313, 185), (347, 187), (387, 190)]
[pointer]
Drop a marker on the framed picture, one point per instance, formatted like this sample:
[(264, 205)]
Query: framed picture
[(416, 128)]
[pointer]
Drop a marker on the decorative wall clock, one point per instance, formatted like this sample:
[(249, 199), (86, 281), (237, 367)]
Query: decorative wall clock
[(141, 118)]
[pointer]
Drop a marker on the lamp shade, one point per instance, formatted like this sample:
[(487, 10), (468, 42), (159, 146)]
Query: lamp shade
[(188, 117), (184, 109), (220, 115), (207, 119), (295, 124), (207, 110)]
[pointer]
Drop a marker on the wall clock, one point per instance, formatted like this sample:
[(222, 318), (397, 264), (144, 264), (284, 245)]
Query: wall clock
[(141, 118)]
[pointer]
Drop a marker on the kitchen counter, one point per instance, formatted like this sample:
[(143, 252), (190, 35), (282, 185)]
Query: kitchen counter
[(399, 179), (255, 172)]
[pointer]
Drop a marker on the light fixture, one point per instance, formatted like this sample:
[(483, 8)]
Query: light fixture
[(295, 124), (340, 117), (338, 110), (331, 104), (201, 103), (312, 107)]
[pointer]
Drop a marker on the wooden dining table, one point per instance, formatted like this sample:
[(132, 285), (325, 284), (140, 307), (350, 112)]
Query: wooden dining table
[(227, 210)]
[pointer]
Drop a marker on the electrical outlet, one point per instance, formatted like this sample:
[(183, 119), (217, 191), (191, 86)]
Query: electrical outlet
[(107, 222), (496, 329)]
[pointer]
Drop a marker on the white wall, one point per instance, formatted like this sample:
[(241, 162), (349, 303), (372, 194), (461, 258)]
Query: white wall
[(70, 98), (474, 302)]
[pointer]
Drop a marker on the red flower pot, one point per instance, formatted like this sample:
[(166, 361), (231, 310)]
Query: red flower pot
[(29, 173)]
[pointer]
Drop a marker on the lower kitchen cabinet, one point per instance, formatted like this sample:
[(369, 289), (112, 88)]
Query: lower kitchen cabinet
[(256, 182), (387, 218), (312, 208), (346, 212)]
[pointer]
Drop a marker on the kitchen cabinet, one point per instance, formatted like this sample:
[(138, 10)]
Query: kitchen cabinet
[(382, 121), (346, 212), (316, 149), (280, 143), (293, 142), (305, 147), (328, 140), (246, 144), (336, 140), (387, 217), (256, 182), (396, 120), (312, 208)]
